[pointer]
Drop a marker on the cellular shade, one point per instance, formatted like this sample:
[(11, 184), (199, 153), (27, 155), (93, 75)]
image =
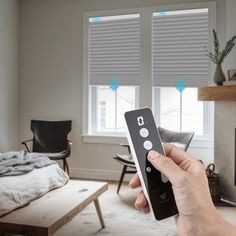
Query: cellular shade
[(179, 38), (114, 49)]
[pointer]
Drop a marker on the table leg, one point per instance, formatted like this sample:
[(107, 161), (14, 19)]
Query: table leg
[(99, 212)]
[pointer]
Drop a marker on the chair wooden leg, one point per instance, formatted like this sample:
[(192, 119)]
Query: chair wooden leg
[(121, 177), (99, 212), (66, 166)]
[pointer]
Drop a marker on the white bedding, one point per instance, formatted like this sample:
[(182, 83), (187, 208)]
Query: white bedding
[(18, 191)]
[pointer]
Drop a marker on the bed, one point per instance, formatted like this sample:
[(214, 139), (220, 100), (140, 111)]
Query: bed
[(17, 189), (28, 206)]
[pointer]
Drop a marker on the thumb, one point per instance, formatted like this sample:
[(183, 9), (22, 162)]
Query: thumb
[(166, 166)]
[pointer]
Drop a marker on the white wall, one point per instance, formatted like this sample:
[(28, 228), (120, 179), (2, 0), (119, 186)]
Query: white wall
[(51, 46), (8, 75)]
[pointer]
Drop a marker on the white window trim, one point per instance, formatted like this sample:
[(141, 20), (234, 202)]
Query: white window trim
[(145, 98), (118, 139), (86, 91)]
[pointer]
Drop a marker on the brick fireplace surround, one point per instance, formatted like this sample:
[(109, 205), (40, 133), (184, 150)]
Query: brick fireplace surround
[(224, 135)]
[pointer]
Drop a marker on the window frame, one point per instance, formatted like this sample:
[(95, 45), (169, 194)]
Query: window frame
[(146, 97)]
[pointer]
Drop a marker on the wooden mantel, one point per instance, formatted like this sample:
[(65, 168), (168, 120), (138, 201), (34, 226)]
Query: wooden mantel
[(217, 93)]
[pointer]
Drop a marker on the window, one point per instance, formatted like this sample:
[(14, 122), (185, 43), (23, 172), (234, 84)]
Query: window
[(179, 111), (138, 57), (179, 38), (108, 108), (113, 70)]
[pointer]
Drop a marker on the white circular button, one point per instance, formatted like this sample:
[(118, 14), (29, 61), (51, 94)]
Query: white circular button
[(144, 132), (148, 169), (147, 145)]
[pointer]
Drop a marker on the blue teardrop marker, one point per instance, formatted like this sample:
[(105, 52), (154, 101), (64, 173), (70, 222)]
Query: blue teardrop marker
[(97, 19), (161, 13), (180, 85), (114, 85)]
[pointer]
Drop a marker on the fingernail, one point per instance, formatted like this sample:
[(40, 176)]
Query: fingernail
[(153, 155), (137, 202), (131, 182)]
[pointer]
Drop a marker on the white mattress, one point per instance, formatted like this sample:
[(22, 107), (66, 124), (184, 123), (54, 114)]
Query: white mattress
[(18, 191)]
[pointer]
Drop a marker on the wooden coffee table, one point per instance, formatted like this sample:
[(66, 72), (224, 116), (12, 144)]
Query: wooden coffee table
[(47, 214)]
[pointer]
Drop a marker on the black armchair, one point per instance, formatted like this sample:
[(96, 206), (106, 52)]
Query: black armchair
[(167, 136), (51, 138)]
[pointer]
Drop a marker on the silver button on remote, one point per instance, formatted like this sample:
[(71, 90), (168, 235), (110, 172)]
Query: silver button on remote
[(147, 145), (164, 179), (144, 132)]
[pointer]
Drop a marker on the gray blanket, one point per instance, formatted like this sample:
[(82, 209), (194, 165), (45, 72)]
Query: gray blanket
[(18, 163)]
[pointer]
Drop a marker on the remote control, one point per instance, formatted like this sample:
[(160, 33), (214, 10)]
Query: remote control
[(143, 136)]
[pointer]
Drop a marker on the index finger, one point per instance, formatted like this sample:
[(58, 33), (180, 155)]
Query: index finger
[(176, 154)]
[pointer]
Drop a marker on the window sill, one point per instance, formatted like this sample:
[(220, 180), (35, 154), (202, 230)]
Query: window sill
[(204, 143), (104, 139)]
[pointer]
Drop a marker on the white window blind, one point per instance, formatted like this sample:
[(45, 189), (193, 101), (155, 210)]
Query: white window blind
[(114, 49), (179, 38)]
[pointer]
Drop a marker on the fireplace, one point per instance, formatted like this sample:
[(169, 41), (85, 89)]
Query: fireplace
[(225, 136), (224, 156)]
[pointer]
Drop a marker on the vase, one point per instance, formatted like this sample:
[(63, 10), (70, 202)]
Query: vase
[(219, 76)]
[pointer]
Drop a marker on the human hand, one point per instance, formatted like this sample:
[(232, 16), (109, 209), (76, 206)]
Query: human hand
[(197, 214)]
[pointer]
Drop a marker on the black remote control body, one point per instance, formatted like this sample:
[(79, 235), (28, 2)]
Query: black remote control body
[(143, 136)]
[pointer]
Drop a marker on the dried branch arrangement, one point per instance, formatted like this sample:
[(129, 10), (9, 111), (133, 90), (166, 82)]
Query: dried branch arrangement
[(219, 56)]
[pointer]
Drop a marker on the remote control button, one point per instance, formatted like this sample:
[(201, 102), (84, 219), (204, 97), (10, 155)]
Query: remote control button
[(163, 196), (148, 169), (147, 145), (164, 179), (144, 132)]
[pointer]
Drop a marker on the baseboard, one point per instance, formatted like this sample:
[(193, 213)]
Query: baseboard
[(98, 174)]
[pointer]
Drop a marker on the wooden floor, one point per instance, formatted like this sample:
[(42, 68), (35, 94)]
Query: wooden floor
[(47, 214)]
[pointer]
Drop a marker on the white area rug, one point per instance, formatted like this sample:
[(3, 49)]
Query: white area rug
[(122, 219)]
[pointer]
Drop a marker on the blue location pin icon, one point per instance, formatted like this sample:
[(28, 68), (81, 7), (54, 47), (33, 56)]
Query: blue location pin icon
[(114, 84), (97, 19), (162, 13), (180, 85)]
